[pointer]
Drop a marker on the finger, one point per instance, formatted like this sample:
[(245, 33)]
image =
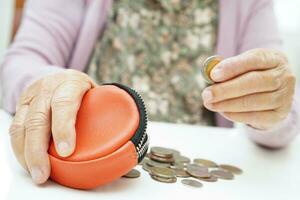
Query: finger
[(259, 120), (17, 134), (65, 104), (253, 60), (27, 96), (249, 83), (75, 75), (37, 135), (253, 102)]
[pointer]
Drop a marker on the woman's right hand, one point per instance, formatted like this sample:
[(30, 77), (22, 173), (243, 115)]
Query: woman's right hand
[(47, 108)]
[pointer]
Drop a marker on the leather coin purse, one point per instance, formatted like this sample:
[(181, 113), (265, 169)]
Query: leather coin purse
[(111, 138)]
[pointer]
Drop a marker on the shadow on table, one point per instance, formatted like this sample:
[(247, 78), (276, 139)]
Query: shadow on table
[(22, 186)]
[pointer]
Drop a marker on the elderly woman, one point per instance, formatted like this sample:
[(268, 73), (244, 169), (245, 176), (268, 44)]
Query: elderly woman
[(156, 47)]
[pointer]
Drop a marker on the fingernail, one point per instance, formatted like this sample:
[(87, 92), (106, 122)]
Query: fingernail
[(207, 95), (216, 74), (36, 175), (63, 148)]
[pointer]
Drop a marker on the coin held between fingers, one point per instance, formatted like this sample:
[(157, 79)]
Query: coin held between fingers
[(208, 66)]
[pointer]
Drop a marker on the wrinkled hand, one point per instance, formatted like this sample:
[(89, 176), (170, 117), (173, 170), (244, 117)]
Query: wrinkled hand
[(48, 106), (255, 88)]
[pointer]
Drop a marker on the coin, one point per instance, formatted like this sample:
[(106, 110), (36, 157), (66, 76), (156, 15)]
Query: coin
[(174, 152), (153, 163), (181, 173), (232, 169), (209, 179), (145, 159), (182, 159), (197, 171), (162, 159), (191, 182), (205, 162), (146, 167), (222, 174), (132, 174), (177, 165), (162, 172), (164, 180), (208, 65), (161, 152)]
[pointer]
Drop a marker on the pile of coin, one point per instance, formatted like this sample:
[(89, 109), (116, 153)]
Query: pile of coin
[(167, 165)]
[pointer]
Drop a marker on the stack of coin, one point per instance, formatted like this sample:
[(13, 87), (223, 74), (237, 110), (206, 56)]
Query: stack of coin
[(161, 154), (162, 174), (168, 165), (208, 65)]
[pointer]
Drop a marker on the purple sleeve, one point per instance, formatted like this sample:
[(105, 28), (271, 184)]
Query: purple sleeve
[(42, 45), (258, 28), (261, 31), (282, 134)]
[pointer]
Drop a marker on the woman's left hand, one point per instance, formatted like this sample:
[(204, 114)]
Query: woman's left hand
[(255, 88)]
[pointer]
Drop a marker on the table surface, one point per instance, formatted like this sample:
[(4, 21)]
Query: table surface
[(268, 174)]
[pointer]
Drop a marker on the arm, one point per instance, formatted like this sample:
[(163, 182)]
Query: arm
[(259, 28), (42, 45), (261, 31)]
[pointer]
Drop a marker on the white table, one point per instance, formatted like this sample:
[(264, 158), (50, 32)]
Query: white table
[(267, 174)]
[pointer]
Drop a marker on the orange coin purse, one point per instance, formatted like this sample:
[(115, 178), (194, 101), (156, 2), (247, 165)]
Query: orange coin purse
[(111, 138)]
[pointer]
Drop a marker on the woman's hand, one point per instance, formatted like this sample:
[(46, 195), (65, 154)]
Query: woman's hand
[(48, 107), (255, 88)]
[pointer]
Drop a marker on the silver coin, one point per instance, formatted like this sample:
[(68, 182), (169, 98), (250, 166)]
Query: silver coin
[(164, 180), (146, 167), (145, 159), (222, 174), (191, 183), (177, 165), (154, 163), (205, 162), (197, 171), (162, 172), (161, 152), (181, 159), (132, 174), (209, 179), (181, 173), (232, 169), (162, 159)]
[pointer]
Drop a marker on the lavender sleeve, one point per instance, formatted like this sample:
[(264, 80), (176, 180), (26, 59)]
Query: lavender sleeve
[(261, 31), (282, 134), (42, 45)]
